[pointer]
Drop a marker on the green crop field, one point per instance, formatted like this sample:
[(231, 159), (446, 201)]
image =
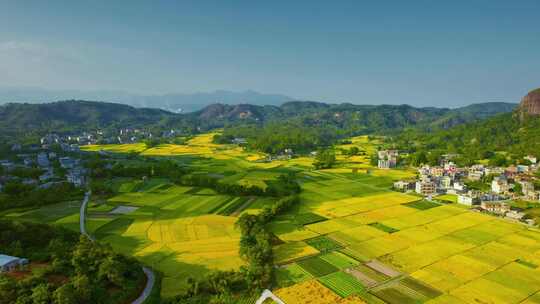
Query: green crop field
[(342, 283), (63, 213), (323, 243), (317, 266), (291, 274), (339, 260), (180, 231), (422, 205), (383, 227), (309, 218)]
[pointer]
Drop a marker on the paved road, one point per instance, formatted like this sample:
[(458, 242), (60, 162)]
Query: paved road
[(267, 294), (149, 286), (150, 277), (82, 221)]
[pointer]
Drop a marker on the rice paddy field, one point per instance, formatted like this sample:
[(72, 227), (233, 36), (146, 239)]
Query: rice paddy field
[(389, 247), (350, 240), (179, 231), (65, 214)]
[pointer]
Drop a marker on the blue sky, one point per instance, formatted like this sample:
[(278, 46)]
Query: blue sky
[(425, 53)]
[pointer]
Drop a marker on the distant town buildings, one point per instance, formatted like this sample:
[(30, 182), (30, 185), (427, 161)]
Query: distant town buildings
[(239, 141), (43, 160), (67, 162), (76, 177)]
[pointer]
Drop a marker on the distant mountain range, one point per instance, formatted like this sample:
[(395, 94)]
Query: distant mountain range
[(177, 103), (77, 115)]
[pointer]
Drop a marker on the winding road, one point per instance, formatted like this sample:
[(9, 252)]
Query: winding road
[(82, 217), (150, 276), (150, 280), (267, 294)]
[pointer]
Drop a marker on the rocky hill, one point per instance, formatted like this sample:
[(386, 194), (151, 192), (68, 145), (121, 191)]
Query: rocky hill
[(530, 104)]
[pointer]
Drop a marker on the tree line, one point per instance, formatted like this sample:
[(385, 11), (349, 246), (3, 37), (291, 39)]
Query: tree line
[(284, 185)]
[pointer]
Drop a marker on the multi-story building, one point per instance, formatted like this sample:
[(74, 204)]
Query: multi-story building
[(500, 185), (387, 159), (426, 187), (446, 182), (469, 199), (495, 207)]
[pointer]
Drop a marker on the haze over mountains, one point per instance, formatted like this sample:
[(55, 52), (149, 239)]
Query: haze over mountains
[(173, 102)]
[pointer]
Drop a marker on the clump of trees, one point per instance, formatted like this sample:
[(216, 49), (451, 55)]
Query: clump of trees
[(77, 270), (325, 159), (275, 137)]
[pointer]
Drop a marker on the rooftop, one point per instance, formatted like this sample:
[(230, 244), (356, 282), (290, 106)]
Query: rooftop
[(6, 259)]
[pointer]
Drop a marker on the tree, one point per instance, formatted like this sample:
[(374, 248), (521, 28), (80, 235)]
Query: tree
[(86, 256), (112, 270), (418, 158), (65, 294), (41, 295), (83, 287), (537, 185), (518, 189), (8, 290), (374, 159), (499, 160)]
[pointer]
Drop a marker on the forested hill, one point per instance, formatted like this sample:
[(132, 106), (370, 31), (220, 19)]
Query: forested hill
[(75, 114), (516, 133), (79, 115), (359, 118)]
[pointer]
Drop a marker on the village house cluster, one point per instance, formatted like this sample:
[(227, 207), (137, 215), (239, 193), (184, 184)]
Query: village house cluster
[(120, 136), (56, 166), (504, 184)]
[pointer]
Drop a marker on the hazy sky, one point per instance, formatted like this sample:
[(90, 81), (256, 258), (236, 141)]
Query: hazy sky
[(439, 53)]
